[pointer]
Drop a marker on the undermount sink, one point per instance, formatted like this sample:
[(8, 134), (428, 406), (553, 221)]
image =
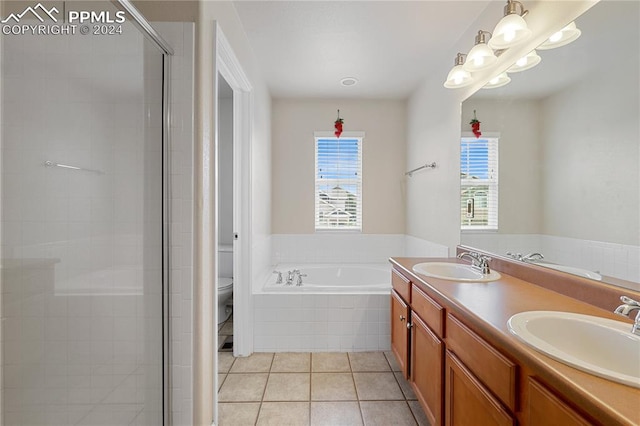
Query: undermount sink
[(600, 346), (454, 272)]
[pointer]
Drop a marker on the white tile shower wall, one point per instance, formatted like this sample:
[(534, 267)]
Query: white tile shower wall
[(181, 37), (72, 350), (321, 323), (417, 247), (335, 248)]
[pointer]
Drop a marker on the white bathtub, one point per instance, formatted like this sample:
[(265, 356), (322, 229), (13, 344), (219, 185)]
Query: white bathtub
[(361, 278)]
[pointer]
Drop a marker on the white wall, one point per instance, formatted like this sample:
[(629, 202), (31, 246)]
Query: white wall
[(294, 124)]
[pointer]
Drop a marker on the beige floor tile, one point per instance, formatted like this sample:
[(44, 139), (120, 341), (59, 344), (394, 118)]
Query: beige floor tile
[(256, 363), (332, 387), (225, 361), (243, 387), (284, 414), (238, 413), (368, 361), (327, 362), (221, 377), (392, 361), (406, 388), (377, 386), (418, 413), (335, 414), (287, 387), (291, 363), (385, 413)]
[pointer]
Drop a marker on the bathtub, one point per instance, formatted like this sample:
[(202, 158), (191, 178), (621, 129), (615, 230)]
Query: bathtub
[(364, 278)]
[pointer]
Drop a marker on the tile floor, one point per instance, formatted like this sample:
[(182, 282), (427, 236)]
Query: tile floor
[(333, 389)]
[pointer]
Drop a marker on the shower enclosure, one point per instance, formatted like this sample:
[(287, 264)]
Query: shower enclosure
[(83, 239)]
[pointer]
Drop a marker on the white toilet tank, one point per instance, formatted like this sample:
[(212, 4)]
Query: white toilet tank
[(225, 260)]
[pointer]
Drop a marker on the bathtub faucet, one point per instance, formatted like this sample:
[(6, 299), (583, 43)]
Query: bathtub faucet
[(299, 283), (291, 275), (279, 277)]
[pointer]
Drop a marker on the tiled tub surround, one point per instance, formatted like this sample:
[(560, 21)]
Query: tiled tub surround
[(614, 260), (321, 322), (316, 389)]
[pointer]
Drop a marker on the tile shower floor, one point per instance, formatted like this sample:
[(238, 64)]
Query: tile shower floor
[(333, 389)]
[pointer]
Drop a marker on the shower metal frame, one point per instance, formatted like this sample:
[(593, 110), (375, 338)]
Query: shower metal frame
[(167, 51)]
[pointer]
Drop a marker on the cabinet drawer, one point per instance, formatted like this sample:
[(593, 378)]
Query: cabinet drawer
[(401, 285), (428, 310), (491, 367)]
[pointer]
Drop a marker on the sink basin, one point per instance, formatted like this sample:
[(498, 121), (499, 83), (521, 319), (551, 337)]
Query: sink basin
[(454, 272), (600, 346)]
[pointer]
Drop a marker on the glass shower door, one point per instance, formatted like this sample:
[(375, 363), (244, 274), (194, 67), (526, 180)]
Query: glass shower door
[(81, 228)]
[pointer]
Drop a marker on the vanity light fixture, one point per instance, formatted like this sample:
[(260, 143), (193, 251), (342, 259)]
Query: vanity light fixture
[(458, 76), (561, 38), (498, 81), (526, 62), (481, 56), (512, 28)]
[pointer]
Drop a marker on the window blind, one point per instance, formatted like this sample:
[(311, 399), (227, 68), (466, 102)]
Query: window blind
[(338, 184), (479, 183)]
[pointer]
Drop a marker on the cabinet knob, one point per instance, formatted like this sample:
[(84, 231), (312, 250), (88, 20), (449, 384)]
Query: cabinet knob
[(402, 318), (409, 325)]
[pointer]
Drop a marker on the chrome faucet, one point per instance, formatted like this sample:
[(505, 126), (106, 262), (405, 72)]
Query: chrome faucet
[(479, 261), (629, 305), (532, 257), (300, 275), (290, 275), (279, 277)]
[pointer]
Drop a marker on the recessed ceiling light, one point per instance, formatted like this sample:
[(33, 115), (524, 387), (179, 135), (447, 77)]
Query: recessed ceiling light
[(349, 81)]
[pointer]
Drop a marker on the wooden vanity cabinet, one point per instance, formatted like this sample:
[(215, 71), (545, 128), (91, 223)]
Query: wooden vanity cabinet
[(468, 401), (427, 361), (400, 315), (545, 408)]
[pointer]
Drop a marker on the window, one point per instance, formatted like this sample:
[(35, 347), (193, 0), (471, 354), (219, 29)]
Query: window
[(338, 179), (479, 183)]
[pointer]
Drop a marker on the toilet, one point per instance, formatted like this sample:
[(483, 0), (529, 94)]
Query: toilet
[(225, 281)]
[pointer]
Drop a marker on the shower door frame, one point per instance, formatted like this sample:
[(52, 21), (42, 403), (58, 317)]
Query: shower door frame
[(167, 51)]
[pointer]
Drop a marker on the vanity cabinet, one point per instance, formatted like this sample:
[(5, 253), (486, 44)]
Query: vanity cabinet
[(468, 401), (427, 361), (399, 331), (545, 408)]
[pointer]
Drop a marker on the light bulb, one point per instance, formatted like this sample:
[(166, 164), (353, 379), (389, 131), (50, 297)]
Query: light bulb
[(522, 61), (556, 37)]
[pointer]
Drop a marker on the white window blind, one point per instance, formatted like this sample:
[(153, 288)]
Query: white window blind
[(338, 183), (479, 183)]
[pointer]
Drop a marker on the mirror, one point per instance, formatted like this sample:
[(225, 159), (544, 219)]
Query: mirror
[(569, 152)]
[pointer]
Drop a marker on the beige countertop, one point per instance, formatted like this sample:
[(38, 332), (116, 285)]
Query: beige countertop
[(486, 307)]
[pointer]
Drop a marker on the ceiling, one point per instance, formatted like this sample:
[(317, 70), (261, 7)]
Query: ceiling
[(304, 48)]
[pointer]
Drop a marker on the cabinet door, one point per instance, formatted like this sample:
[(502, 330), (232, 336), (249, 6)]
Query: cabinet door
[(427, 365), (468, 402), (544, 408), (399, 331)]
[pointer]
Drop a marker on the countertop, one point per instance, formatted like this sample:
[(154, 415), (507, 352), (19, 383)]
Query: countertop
[(486, 307)]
